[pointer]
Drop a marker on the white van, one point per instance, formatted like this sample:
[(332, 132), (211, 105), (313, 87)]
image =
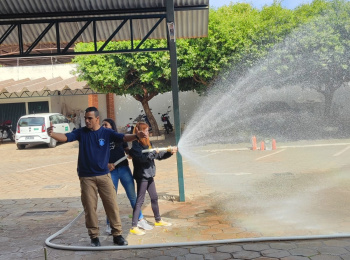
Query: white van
[(31, 129)]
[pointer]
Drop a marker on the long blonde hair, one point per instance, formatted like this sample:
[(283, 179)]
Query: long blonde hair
[(140, 127)]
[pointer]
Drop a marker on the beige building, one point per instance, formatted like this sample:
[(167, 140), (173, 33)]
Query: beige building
[(53, 88)]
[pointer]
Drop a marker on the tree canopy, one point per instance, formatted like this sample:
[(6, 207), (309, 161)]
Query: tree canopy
[(239, 36), (142, 75), (317, 55)]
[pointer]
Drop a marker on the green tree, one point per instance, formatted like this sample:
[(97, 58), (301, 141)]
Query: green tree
[(142, 75), (239, 36), (317, 56), (204, 59)]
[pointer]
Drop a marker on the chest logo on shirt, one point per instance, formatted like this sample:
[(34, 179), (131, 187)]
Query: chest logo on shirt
[(101, 142)]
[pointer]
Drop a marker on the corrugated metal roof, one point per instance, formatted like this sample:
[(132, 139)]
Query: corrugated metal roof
[(42, 87), (191, 22), (191, 19), (50, 6)]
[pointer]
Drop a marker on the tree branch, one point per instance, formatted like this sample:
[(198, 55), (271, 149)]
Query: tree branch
[(199, 80), (138, 97), (152, 95), (132, 83)]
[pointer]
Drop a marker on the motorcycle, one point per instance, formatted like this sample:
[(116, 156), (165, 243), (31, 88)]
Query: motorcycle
[(129, 128), (168, 127), (6, 131), (142, 116)]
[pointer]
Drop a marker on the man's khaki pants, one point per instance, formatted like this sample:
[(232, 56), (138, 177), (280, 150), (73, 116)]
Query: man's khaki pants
[(103, 185)]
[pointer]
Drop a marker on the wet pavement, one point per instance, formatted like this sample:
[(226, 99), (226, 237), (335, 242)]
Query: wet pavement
[(40, 195)]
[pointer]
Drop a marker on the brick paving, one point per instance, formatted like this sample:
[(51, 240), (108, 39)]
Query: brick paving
[(40, 195)]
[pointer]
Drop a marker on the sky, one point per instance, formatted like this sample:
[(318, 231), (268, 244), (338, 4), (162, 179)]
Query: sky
[(291, 4)]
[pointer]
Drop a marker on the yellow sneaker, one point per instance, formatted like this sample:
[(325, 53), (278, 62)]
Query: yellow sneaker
[(137, 231), (162, 223)]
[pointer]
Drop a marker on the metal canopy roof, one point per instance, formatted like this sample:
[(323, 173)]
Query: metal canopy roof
[(43, 87), (27, 24), (47, 28)]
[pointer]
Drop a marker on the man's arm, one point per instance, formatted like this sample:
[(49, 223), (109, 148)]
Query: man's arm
[(132, 137), (57, 136)]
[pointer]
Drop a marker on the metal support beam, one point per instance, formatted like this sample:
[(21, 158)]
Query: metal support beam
[(41, 36), (113, 34), (170, 19), (56, 22)]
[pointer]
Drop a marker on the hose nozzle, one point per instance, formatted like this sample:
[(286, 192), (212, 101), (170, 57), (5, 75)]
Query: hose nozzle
[(164, 149)]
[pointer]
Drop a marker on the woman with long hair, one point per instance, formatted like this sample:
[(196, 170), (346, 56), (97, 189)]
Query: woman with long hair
[(122, 172), (144, 173)]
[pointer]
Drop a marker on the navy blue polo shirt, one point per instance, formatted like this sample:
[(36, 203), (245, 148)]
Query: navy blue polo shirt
[(94, 149)]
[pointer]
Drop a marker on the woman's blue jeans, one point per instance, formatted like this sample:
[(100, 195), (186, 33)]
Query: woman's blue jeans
[(123, 173)]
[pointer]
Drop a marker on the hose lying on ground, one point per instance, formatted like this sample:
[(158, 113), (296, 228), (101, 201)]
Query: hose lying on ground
[(194, 243)]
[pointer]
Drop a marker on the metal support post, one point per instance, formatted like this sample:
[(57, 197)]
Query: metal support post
[(175, 90)]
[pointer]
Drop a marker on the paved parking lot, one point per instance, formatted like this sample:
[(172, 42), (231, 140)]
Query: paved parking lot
[(301, 188), (232, 193)]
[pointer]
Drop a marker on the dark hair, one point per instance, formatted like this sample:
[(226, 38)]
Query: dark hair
[(92, 109), (111, 122)]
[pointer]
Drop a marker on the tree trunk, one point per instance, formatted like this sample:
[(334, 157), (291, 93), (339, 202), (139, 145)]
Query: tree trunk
[(328, 98), (144, 101), (152, 120)]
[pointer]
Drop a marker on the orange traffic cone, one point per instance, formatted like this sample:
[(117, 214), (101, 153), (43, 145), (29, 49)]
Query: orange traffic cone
[(262, 146), (274, 144), (254, 143)]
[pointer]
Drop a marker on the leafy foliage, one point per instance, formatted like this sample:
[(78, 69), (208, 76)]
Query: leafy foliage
[(317, 55), (126, 73), (239, 36)]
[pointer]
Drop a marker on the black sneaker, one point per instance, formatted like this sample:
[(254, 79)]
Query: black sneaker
[(95, 241), (120, 241)]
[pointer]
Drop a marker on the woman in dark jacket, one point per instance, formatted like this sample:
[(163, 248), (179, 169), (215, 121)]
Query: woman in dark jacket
[(144, 173), (121, 172)]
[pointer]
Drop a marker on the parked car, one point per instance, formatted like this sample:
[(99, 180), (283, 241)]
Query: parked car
[(31, 129)]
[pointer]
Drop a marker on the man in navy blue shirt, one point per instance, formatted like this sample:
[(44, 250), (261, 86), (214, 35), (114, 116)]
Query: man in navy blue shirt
[(93, 172)]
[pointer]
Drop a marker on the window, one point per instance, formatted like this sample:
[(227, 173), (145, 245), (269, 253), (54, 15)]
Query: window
[(62, 119), (32, 121), (54, 119)]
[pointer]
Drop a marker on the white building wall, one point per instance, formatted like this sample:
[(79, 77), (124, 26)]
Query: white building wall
[(127, 107), (102, 106), (35, 72), (60, 104), (69, 104)]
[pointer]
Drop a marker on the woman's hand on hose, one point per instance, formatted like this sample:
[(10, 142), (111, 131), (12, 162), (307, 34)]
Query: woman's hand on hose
[(173, 149)]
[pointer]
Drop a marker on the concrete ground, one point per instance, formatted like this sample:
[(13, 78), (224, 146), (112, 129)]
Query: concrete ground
[(239, 204)]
